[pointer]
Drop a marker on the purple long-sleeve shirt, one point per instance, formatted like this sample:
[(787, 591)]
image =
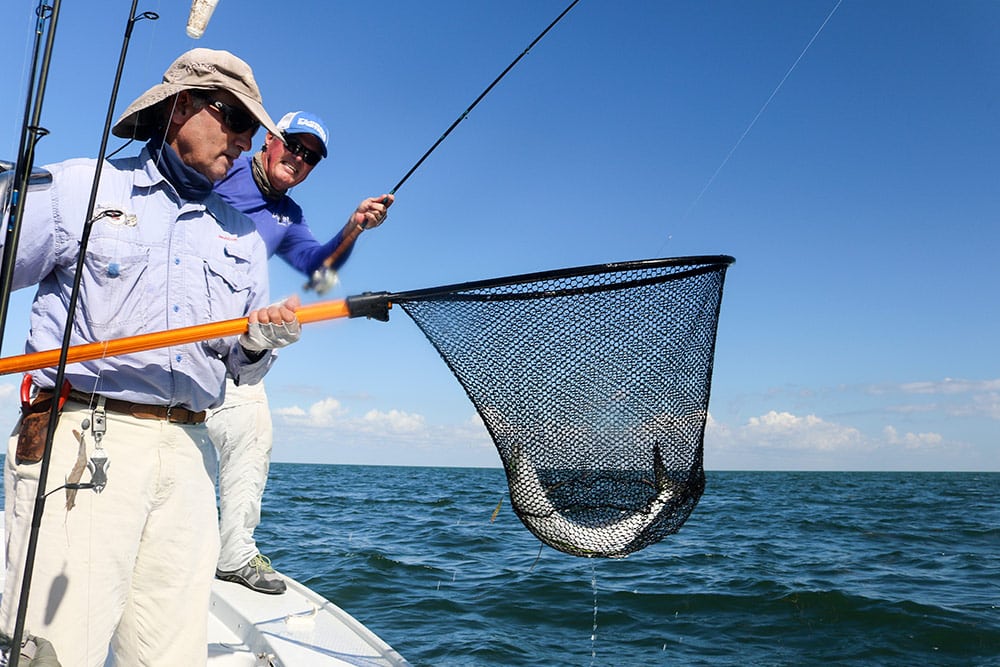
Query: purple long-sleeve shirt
[(280, 222)]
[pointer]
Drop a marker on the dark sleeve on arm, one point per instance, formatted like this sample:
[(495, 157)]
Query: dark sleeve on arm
[(304, 253)]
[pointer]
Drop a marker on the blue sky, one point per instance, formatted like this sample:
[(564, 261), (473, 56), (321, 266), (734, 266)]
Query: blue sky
[(846, 153)]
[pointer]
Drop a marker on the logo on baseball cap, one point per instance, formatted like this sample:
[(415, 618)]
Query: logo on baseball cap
[(303, 122)]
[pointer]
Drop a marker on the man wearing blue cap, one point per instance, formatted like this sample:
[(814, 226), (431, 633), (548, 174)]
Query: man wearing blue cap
[(241, 428)]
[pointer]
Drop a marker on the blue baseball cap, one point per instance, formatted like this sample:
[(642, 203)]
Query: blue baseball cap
[(303, 122)]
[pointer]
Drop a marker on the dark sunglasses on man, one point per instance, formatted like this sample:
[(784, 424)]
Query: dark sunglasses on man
[(236, 119), (296, 147)]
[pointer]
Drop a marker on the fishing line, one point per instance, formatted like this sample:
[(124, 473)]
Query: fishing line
[(593, 629), (30, 28), (324, 278), (759, 113), (121, 148), (537, 558)]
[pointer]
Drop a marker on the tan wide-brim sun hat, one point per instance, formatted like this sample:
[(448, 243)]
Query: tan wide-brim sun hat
[(197, 69)]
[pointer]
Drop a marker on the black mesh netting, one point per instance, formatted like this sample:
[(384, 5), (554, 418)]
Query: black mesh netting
[(594, 385)]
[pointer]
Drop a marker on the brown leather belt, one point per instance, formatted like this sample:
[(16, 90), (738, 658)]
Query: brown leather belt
[(171, 413)]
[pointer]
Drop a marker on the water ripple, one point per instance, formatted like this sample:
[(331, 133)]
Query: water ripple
[(771, 569)]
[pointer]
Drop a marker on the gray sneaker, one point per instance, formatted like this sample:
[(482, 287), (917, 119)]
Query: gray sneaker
[(257, 575)]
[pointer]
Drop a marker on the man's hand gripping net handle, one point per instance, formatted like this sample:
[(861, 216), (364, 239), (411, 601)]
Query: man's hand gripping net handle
[(371, 305)]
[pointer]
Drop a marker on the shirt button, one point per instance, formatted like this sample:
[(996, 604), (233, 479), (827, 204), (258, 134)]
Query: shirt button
[(177, 260), (177, 358), (176, 308)]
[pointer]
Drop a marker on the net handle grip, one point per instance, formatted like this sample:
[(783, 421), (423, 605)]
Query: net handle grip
[(313, 312)]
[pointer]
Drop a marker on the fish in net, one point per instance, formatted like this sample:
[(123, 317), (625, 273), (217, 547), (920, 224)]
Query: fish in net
[(594, 385)]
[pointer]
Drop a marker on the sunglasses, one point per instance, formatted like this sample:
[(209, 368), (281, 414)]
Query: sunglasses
[(236, 119), (295, 147)]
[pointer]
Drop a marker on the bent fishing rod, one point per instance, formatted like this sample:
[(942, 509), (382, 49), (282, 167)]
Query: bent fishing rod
[(39, 507), (325, 277), (26, 148)]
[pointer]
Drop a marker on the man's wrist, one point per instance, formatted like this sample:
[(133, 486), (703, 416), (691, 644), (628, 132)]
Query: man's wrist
[(253, 356)]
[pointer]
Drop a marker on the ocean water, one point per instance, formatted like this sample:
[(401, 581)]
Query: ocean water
[(772, 568)]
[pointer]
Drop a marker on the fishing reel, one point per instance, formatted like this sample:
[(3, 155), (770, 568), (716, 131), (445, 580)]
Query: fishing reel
[(322, 280)]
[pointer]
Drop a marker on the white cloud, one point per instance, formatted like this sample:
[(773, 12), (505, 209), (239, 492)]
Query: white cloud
[(326, 412), (784, 430), (774, 439), (330, 414), (321, 414), (783, 440), (950, 386), (716, 430), (912, 440), (394, 421), (987, 404), (914, 409), (328, 431), (948, 397), (10, 406)]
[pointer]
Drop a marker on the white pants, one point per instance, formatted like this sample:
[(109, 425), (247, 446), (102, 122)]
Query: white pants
[(241, 432), (131, 567)]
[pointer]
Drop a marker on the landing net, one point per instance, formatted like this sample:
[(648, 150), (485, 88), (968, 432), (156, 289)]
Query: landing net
[(594, 385)]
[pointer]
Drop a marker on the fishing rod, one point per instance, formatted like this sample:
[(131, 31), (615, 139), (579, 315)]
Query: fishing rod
[(39, 507), (26, 148), (325, 277)]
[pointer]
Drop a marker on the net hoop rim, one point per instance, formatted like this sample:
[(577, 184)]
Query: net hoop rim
[(700, 264)]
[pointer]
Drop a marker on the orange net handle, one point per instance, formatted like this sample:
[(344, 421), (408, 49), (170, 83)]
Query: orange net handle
[(314, 312)]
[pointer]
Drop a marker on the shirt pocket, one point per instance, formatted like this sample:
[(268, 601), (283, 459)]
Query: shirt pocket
[(115, 292), (229, 285)]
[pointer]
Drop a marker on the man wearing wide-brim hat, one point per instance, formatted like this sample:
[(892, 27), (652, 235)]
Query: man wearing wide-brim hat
[(131, 567)]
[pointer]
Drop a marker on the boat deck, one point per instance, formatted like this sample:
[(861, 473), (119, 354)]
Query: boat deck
[(298, 628)]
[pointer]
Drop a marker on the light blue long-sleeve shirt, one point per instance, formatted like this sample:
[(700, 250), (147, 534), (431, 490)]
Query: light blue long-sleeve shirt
[(166, 263)]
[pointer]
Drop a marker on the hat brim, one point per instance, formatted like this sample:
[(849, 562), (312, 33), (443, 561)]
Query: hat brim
[(258, 111), (134, 124)]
